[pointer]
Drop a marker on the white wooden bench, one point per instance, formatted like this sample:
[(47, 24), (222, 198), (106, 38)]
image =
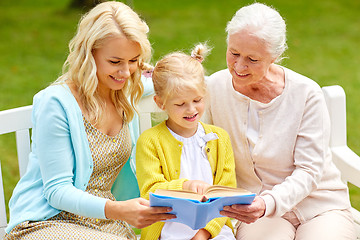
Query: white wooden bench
[(18, 120)]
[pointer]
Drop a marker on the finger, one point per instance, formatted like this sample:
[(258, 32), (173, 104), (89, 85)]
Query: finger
[(241, 218), (158, 215), (157, 210), (242, 207), (237, 208), (199, 190), (230, 214), (155, 218), (165, 216), (144, 202)]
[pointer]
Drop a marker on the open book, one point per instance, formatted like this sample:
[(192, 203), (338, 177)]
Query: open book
[(196, 210)]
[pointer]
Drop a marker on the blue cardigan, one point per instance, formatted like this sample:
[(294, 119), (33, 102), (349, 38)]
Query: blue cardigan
[(60, 162)]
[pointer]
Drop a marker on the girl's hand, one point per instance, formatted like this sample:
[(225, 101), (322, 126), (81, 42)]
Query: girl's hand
[(246, 213), (202, 234), (137, 212), (195, 186)]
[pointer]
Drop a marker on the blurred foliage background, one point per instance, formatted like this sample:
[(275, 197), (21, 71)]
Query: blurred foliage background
[(323, 39)]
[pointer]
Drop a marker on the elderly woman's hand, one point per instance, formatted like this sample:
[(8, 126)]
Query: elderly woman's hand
[(246, 213)]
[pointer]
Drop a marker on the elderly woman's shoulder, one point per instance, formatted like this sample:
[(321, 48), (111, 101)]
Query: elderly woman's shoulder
[(219, 74), (218, 78), (300, 81)]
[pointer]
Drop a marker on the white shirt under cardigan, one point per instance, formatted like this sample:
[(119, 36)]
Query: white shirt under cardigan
[(252, 133), (194, 166), (290, 164)]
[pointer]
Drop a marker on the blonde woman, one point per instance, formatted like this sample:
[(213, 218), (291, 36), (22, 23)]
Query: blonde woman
[(81, 137), (182, 152)]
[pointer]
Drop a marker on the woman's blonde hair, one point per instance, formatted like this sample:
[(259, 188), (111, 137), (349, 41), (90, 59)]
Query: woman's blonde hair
[(105, 21), (178, 71)]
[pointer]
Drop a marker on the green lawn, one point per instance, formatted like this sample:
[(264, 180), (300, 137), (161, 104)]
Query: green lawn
[(323, 39)]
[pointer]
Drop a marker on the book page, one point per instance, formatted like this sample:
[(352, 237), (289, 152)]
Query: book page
[(180, 194), (211, 192), (224, 191)]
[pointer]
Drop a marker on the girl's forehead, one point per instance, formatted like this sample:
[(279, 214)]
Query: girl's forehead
[(185, 94)]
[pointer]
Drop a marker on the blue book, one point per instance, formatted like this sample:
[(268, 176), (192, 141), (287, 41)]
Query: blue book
[(197, 210)]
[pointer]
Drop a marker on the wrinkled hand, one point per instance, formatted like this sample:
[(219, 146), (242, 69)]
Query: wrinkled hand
[(202, 234), (246, 213), (195, 186), (137, 212)]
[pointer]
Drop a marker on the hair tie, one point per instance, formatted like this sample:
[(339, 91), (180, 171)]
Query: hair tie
[(148, 73), (199, 58)]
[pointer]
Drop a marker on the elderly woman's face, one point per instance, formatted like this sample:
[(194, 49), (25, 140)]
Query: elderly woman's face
[(248, 59)]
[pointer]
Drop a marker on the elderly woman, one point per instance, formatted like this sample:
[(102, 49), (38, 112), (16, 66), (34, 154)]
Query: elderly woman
[(279, 127)]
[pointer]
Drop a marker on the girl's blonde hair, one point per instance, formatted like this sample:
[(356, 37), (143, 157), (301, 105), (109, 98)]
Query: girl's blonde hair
[(178, 71), (105, 21)]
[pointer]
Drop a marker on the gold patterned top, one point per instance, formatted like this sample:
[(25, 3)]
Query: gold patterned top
[(109, 156)]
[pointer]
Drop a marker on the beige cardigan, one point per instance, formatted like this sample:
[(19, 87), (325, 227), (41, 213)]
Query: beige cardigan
[(290, 165)]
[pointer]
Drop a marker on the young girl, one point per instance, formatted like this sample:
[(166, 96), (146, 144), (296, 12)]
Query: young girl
[(182, 152)]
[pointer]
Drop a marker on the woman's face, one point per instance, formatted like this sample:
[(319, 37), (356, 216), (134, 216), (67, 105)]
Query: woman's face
[(116, 60), (248, 59)]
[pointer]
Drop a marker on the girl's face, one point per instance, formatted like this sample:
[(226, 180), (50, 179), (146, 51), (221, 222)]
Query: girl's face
[(184, 111), (116, 61), (248, 59)]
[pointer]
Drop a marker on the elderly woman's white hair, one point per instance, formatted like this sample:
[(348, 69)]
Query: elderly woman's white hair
[(265, 23)]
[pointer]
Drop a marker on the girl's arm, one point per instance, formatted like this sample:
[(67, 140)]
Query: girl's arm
[(153, 171)]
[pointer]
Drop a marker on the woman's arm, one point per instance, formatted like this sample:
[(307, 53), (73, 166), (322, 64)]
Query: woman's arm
[(54, 149), (137, 212), (309, 155)]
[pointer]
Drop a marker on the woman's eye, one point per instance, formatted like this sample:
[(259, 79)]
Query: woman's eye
[(179, 104), (133, 60), (235, 54), (114, 62), (198, 100), (253, 60)]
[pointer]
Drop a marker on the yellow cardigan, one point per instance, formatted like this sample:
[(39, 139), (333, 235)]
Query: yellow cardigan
[(158, 156)]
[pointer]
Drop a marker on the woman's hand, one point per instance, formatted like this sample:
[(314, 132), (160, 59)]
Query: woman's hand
[(137, 212), (246, 213), (202, 234), (195, 186)]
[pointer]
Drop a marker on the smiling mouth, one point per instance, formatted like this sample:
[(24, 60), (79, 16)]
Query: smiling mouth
[(118, 79), (241, 75), (191, 117)]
